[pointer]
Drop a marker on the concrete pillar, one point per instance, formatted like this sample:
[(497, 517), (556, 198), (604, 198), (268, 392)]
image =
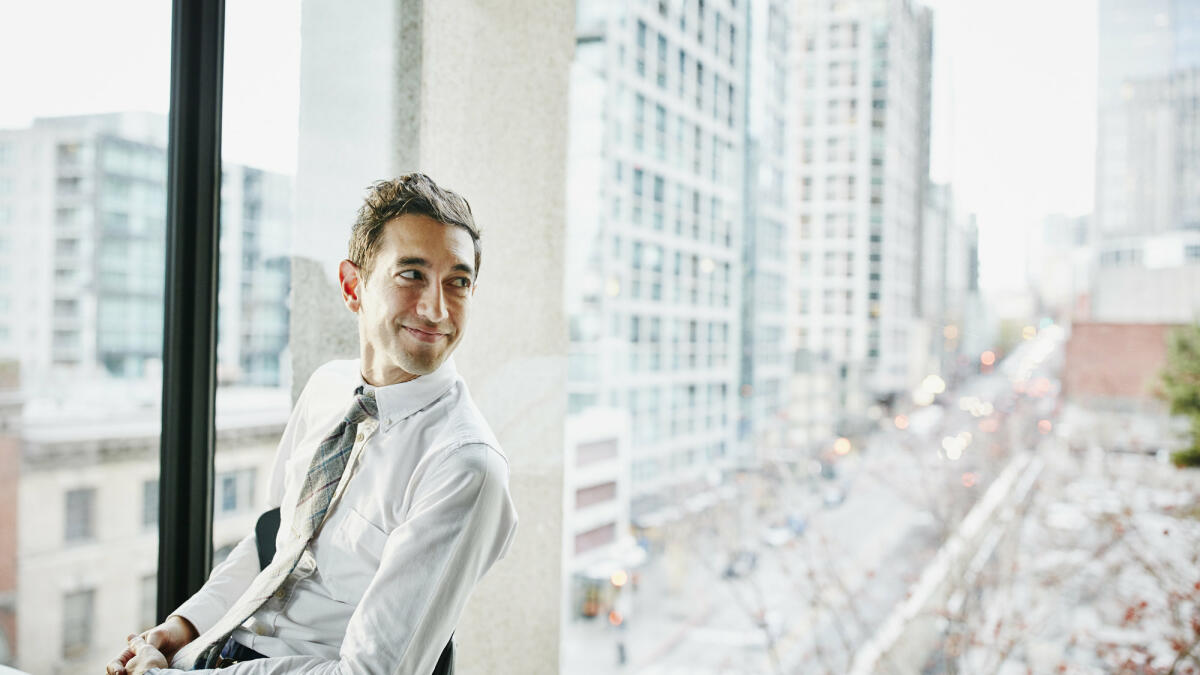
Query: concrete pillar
[(473, 93)]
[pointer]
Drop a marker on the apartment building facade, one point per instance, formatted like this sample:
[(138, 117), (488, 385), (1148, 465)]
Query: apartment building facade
[(863, 83), (654, 233)]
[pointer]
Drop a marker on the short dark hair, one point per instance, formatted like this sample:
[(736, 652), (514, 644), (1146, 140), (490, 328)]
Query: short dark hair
[(411, 193)]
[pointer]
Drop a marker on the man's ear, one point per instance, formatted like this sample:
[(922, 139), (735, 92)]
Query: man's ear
[(350, 280)]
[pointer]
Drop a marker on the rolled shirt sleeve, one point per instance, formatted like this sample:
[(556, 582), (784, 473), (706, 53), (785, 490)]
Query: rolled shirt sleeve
[(460, 521)]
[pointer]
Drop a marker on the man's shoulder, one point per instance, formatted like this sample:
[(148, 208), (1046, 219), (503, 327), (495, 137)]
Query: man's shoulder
[(338, 371), (336, 375), (464, 424)]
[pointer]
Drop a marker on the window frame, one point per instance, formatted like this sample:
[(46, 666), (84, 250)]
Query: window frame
[(190, 307)]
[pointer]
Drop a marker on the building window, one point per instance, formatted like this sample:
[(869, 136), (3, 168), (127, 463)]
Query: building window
[(641, 48), (660, 131), (79, 514), (237, 490), (77, 622), (661, 72), (594, 452), (682, 72), (150, 503), (594, 538), (639, 121), (605, 492)]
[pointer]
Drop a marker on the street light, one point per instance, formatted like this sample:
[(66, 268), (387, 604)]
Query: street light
[(933, 384), (842, 446)]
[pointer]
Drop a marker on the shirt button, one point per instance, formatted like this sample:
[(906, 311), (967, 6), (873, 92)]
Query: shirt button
[(279, 594), (360, 436)]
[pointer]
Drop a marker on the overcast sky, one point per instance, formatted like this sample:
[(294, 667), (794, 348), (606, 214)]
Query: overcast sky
[(1015, 117), (1014, 94)]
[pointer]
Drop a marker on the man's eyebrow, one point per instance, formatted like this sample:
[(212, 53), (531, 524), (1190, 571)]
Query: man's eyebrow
[(409, 261)]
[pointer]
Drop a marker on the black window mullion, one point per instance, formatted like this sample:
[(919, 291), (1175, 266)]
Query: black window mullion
[(189, 343)]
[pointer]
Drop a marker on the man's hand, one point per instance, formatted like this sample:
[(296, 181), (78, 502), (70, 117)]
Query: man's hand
[(165, 639), (145, 656)]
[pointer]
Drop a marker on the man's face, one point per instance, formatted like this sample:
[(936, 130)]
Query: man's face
[(413, 307)]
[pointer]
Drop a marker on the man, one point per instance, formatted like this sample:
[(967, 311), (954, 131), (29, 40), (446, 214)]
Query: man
[(393, 491)]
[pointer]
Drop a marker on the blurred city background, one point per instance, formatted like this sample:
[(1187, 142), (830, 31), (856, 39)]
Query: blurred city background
[(878, 313)]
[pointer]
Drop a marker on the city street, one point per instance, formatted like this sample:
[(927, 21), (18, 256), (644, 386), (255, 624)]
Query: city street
[(811, 601)]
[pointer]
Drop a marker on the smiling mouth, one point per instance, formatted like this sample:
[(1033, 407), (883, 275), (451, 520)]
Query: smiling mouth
[(424, 336)]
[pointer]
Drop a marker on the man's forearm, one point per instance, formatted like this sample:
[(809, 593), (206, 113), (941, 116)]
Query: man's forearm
[(224, 586)]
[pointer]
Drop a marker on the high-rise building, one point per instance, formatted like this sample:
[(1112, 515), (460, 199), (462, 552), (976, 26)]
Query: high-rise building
[(1147, 153), (82, 221), (654, 232), (863, 86), (949, 286), (256, 226), (766, 358)]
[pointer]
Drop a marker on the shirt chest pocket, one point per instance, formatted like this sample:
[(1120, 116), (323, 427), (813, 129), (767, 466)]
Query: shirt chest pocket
[(348, 554)]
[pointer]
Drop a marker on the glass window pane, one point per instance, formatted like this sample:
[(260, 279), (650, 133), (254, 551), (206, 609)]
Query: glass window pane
[(150, 503), (259, 126), (78, 618), (83, 130), (80, 505)]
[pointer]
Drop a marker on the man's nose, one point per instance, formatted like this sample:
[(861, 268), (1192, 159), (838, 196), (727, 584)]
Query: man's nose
[(431, 306)]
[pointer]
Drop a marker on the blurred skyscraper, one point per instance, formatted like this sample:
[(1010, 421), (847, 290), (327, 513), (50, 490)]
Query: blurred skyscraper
[(83, 203), (1147, 152), (863, 97), (766, 361), (654, 233), (949, 287), (1145, 256)]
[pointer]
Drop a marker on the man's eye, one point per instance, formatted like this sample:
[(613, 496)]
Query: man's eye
[(461, 282), (411, 275)]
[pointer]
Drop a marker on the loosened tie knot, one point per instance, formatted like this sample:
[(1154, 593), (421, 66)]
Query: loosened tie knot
[(364, 406)]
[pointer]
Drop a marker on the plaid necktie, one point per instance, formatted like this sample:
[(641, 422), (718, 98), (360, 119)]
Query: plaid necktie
[(324, 472)]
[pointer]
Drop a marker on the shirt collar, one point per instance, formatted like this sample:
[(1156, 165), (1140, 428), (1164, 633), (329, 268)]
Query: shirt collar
[(399, 401)]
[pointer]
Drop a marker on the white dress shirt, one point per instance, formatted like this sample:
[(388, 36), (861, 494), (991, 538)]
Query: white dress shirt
[(422, 514)]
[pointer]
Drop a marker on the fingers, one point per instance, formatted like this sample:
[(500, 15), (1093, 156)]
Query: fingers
[(136, 643), (146, 657), (117, 665)]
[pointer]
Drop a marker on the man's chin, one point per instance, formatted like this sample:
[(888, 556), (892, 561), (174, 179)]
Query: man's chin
[(419, 366)]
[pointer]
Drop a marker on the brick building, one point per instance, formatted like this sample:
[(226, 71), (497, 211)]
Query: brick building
[(1110, 379)]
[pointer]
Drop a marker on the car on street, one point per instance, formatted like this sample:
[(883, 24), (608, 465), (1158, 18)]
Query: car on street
[(741, 563)]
